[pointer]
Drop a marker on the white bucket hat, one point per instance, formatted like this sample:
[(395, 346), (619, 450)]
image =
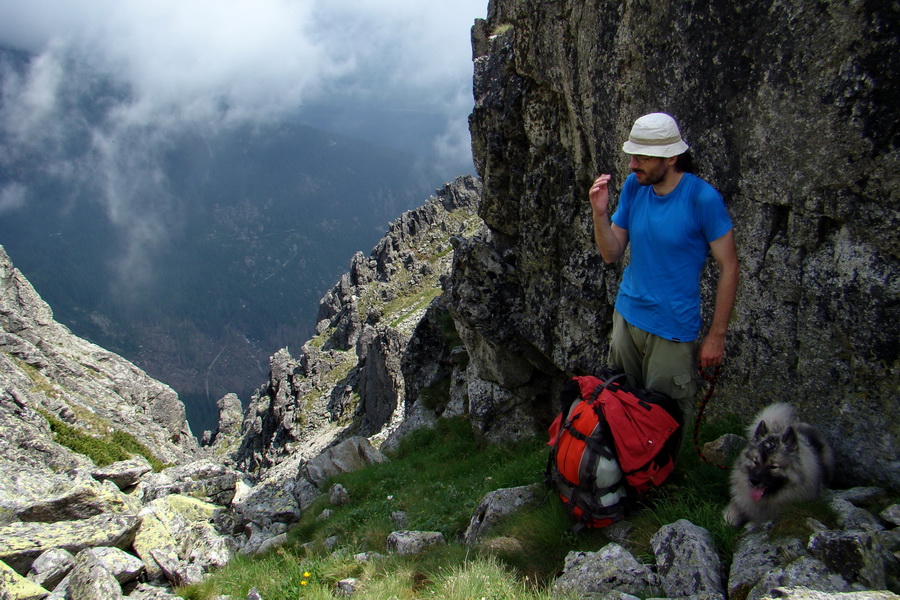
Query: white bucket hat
[(655, 134)]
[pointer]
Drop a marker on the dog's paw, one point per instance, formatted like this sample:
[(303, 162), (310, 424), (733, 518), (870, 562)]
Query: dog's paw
[(734, 516)]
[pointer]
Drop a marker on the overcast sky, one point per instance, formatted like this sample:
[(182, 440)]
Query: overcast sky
[(394, 71), (262, 59)]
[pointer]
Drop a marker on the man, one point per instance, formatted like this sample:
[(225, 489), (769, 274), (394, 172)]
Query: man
[(673, 220)]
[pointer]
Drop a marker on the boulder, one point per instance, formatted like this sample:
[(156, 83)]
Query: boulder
[(124, 474), (90, 580), (687, 562), (407, 542), (348, 456), (496, 506), (51, 567), (25, 542), (611, 569), (16, 587)]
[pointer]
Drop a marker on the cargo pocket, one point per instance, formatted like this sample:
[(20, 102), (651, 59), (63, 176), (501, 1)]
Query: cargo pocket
[(686, 387), (686, 381)]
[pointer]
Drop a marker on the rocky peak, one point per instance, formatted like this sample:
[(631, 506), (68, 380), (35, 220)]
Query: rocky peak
[(46, 371), (348, 378)]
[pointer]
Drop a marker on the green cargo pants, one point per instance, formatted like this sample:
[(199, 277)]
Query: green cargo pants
[(656, 363)]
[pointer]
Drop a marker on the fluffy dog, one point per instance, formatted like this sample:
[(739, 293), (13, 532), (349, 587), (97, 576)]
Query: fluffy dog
[(785, 461)]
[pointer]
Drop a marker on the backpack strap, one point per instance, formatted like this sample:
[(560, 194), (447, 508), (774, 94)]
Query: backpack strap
[(598, 449), (599, 389)]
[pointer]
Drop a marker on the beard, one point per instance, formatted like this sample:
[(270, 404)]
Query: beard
[(651, 176)]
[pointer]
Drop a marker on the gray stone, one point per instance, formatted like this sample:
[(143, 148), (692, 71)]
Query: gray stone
[(145, 591), (755, 555), (272, 500), (14, 586), (272, 542), (177, 571), (804, 593), (259, 539), (348, 456), (686, 561), (723, 451), (338, 495), (853, 517), (891, 515), (864, 496), (204, 546), (125, 474), (204, 479), (347, 587), (32, 495), (399, 519), (51, 567), (407, 542), (612, 569), (24, 542), (90, 580), (804, 571), (123, 566), (855, 555), (497, 505)]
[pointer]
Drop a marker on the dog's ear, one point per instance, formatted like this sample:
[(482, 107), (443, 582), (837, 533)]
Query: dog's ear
[(789, 439), (761, 430)]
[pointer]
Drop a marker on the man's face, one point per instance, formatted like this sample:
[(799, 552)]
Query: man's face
[(649, 170)]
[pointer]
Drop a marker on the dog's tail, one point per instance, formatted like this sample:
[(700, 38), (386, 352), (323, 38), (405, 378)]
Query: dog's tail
[(777, 417)]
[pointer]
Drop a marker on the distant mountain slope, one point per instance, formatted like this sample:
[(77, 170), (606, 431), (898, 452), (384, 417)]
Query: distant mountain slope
[(213, 267)]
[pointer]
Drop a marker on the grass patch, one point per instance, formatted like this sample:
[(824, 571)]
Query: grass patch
[(795, 519), (436, 478), (41, 383), (103, 450)]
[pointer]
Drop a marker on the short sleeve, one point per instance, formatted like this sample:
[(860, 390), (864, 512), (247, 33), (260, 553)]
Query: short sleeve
[(623, 210), (713, 216)]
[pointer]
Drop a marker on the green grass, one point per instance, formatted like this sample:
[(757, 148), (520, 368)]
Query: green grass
[(102, 450), (437, 477)]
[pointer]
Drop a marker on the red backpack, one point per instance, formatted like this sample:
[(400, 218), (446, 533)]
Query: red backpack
[(609, 441)]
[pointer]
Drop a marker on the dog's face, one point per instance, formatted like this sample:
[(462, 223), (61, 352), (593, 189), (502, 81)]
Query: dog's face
[(770, 459)]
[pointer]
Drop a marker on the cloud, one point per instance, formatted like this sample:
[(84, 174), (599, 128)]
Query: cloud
[(169, 66), (254, 59), (12, 196)]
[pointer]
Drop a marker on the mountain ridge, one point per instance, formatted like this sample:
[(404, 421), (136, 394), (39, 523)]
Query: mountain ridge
[(218, 263)]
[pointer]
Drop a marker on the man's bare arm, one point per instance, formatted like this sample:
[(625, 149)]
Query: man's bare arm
[(611, 239), (712, 348)]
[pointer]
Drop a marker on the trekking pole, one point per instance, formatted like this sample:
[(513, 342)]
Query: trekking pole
[(712, 379)]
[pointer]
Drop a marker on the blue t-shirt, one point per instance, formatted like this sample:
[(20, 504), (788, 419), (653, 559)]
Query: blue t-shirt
[(669, 237)]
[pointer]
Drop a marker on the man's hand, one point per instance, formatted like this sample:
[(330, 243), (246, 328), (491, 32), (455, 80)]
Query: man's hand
[(599, 194), (712, 350), (610, 238)]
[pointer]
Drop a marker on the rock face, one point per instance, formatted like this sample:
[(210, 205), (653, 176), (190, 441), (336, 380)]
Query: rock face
[(348, 378), (44, 367), (789, 112)]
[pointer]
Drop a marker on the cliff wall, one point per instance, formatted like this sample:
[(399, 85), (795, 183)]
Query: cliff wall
[(790, 112), (45, 368)]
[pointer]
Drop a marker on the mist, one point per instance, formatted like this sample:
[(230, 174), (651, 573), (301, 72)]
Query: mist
[(97, 92)]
